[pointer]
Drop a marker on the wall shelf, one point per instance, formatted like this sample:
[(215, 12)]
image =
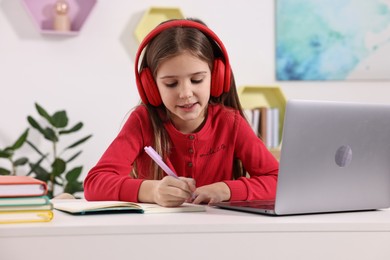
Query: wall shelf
[(264, 96), (42, 13), (153, 17)]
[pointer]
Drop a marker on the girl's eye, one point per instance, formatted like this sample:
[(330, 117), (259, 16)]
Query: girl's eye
[(196, 81), (171, 85)]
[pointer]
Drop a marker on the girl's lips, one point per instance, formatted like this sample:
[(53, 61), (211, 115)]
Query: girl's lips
[(187, 107)]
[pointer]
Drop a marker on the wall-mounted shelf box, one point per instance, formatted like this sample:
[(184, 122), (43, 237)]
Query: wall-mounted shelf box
[(42, 13), (153, 17)]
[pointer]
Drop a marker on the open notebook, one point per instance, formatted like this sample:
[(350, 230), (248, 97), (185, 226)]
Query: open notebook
[(84, 207), (335, 157)]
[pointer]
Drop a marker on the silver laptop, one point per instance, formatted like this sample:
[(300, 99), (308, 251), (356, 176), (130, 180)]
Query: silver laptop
[(335, 157)]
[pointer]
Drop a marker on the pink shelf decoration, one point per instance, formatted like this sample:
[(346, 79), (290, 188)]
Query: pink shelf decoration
[(43, 12)]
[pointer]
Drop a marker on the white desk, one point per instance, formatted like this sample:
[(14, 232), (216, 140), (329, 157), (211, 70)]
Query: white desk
[(215, 234)]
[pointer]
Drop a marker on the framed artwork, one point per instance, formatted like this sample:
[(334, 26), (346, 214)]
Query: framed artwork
[(332, 40)]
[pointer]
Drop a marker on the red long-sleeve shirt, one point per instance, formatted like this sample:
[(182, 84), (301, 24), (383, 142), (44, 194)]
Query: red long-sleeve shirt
[(206, 156)]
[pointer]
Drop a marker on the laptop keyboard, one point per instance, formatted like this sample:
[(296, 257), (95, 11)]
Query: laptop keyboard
[(259, 204)]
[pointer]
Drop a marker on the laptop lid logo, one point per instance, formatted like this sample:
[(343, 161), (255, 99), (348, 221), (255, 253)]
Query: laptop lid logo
[(343, 156)]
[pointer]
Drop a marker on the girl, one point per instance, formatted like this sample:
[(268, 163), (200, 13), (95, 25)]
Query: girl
[(190, 113)]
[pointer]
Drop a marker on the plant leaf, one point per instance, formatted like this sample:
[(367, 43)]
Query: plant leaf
[(43, 113), (50, 135), (21, 161), (73, 187), (58, 167), (20, 140), (75, 128), (74, 174), (35, 148), (60, 119), (4, 171), (78, 142), (35, 124), (5, 153), (40, 173), (74, 156), (37, 164)]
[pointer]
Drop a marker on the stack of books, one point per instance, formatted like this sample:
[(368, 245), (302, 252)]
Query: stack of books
[(265, 123), (23, 199)]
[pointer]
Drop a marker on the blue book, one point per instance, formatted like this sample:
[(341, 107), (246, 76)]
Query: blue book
[(24, 201)]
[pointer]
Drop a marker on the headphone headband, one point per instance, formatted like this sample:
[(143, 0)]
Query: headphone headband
[(180, 23)]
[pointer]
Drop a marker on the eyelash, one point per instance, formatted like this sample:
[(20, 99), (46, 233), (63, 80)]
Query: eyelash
[(197, 81), (172, 85)]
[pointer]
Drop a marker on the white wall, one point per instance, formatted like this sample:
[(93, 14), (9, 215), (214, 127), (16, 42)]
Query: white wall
[(91, 75)]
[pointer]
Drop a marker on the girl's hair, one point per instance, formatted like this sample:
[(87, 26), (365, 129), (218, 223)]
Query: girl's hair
[(170, 43)]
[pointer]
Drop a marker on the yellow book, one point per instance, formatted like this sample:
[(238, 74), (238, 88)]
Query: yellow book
[(26, 216), (83, 207)]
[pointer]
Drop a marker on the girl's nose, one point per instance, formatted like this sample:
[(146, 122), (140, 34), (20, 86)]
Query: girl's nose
[(185, 90)]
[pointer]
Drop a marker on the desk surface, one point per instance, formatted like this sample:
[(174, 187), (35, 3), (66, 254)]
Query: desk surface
[(215, 226), (213, 220)]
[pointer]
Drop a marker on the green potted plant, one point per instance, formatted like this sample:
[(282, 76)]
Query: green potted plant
[(53, 166)]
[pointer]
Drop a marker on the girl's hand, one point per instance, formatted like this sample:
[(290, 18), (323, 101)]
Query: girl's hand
[(172, 192), (212, 193)]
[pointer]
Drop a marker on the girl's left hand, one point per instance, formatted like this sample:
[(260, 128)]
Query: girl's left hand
[(212, 193)]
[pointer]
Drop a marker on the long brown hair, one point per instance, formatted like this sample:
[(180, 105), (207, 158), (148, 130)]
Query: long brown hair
[(170, 43)]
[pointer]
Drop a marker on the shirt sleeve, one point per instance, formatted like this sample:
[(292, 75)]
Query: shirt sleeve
[(110, 178), (260, 164)]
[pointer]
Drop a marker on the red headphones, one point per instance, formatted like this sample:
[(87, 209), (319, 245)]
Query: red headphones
[(220, 76)]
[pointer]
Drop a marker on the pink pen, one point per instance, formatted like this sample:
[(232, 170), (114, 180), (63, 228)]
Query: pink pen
[(157, 158)]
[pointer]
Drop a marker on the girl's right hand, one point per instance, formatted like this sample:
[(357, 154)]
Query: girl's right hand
[(172, 192)]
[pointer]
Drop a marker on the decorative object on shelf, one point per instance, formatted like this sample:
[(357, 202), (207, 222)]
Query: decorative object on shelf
[(51, 167), (61, 16), (154, 16), (49, 15), (271, 101)]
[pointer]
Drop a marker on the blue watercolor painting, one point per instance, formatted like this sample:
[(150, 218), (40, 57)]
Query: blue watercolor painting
[(332, 39)]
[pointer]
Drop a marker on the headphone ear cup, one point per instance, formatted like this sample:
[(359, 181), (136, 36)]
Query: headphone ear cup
[(150, 88), (217, 78), (227, 80)]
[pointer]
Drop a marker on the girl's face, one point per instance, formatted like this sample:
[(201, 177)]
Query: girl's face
[(184, 85)]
